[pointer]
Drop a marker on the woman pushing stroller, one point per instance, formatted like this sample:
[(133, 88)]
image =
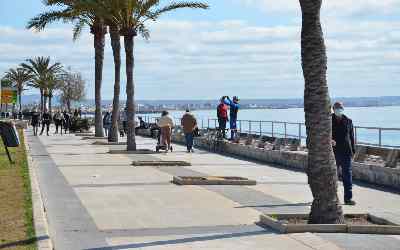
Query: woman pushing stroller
[(166, 123)]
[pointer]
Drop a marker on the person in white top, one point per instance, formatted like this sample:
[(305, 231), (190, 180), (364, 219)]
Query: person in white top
[(166, 123)]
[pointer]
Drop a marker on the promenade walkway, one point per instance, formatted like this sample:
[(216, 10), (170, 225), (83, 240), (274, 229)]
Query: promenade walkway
[(95, 200)]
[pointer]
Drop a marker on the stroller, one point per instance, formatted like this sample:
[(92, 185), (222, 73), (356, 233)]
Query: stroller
[(159, 146)]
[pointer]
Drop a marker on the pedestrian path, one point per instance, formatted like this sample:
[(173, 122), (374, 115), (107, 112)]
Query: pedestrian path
[(96, 200)]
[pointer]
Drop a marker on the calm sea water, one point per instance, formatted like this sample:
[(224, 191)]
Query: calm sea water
[(385, 117)]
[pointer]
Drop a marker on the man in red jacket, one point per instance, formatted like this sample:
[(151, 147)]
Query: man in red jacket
[(222, 114)]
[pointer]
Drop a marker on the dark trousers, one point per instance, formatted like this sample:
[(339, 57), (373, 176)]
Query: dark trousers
[(47, 124), (222, 126), (35, 129), (344, 161), (57, 126), (189, 141)]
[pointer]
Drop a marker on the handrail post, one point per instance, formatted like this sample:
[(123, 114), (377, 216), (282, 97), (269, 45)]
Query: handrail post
[(380, 137), (208, 123), (300, 132), (240, 126), (272, 129), (285, 130), (355, 135), (215, 123), (260, 129), (202, 125), (249, 127)]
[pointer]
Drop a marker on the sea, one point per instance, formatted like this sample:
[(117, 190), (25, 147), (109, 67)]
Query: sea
[(387, 118)]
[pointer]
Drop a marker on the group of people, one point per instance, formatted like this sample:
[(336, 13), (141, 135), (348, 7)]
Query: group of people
[(165, 124), (123, 123), (343, 142), (61, 120)]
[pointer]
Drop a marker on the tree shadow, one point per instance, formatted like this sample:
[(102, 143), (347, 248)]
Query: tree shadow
[(261, 231), (279, 205), (23, 242)]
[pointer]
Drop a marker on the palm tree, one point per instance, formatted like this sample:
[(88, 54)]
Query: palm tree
[(131, 19), (43, 74), (19, 77), (321, 170), (80, 13)]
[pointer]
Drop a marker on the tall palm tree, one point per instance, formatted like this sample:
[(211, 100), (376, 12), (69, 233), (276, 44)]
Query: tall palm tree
[(43, 72), (131, 19), (321, 169), (19, 77), (80, 13)]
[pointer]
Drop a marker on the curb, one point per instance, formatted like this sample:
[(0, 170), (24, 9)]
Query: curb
[(39, 214)]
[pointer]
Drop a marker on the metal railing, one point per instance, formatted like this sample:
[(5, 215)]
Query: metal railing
[(373, 136)]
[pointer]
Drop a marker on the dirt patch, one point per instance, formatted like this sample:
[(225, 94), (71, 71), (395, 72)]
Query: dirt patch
[(362, 219), (16, 223)]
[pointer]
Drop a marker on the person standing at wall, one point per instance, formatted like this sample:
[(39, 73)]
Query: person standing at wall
[(233, 112), (107, 123), (58, 119), (189, 123), (67, 121), (343, 148), (222, 114)]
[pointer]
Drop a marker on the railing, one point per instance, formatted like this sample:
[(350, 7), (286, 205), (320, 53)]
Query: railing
[(373, 136)]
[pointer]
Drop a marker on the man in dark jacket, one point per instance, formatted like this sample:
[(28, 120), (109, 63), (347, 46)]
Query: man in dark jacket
[(46, 120), (344, 148), (189, 123)]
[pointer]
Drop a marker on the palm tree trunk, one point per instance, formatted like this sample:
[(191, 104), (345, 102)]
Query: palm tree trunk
[(50, 97), (99, 32), (116, 47), (130, 89), (20, 100), (41, 101), (44, 102), (69, 105), (321, 169)]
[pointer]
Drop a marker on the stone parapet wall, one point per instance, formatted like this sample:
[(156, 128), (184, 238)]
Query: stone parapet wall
[(375, 174)]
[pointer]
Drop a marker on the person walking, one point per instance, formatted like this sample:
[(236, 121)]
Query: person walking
[(67, 121), (233, 112), (166, 123), (35, 117), (222, 114), (107, 123), (189, 123), (58, 120), (46, 120), (343, 148)]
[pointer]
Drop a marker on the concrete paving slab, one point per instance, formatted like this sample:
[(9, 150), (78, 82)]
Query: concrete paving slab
[(241, 241), (113, 175), (161, 206)]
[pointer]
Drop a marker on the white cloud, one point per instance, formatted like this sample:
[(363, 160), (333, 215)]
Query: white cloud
[(330, 7), (188, 59)]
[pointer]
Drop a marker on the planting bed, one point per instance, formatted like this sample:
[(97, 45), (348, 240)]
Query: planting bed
[(354, 223), (212, 180)]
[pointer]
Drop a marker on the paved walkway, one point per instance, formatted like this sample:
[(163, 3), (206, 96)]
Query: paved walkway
[(95, 200)]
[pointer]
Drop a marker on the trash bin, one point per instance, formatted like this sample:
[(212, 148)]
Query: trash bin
[(9, 134)]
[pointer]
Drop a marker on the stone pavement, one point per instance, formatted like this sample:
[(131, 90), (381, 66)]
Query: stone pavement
[(96, 200)]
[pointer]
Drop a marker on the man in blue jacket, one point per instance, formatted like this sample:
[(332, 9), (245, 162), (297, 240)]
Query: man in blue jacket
[(233, 111)]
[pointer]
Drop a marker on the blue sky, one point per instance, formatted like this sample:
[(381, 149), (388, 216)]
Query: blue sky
[(249, 48)]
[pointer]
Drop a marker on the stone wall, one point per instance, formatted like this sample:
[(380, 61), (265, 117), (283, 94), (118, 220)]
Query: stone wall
[(297, 160)]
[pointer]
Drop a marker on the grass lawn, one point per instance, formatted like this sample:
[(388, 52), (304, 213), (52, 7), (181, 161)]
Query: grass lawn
[(16, 219)]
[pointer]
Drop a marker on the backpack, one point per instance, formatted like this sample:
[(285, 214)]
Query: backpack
[(222, 111)]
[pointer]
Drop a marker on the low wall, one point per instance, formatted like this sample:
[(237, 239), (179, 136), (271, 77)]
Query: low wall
[(379, 175)]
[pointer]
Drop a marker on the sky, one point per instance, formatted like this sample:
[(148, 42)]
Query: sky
[(248, 48)]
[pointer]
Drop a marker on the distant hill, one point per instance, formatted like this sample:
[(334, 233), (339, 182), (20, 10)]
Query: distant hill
[(247, 103)]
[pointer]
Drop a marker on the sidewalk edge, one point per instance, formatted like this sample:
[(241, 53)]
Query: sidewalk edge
[(39, 215)]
